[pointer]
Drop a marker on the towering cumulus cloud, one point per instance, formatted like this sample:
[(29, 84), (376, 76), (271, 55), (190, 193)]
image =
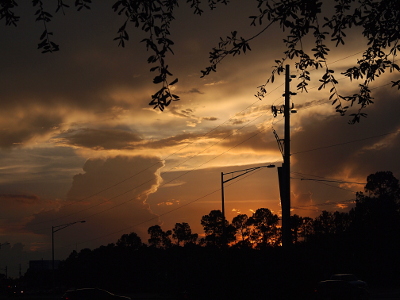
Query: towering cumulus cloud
[(111, 194)]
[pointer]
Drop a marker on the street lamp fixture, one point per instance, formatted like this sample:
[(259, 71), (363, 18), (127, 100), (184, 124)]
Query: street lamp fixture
[(242, 172)]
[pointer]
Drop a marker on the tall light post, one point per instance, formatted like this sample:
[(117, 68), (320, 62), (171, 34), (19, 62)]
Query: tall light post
[(242, 172), (54, 229)]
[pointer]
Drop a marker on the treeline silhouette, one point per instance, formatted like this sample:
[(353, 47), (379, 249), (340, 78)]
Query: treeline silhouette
[(243, 259)]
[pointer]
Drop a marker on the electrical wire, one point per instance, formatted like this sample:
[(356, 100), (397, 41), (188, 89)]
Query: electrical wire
[(187, 145), (345, 143)]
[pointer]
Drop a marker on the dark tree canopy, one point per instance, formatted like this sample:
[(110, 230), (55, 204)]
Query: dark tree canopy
[(159, 238), (183, 233), (265, 228), (376, 217), (131, 240), (240, 222), (379, 22), (383, 184)]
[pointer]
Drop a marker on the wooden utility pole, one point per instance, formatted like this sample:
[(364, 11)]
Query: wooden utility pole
[(286, 231), (284, 171)]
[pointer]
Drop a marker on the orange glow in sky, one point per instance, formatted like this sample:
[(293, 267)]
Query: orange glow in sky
[(79, 141)]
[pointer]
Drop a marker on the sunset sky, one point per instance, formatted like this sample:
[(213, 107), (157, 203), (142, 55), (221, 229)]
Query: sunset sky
[(78, 140)]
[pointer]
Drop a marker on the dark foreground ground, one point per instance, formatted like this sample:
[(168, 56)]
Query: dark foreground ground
[(375, 294)]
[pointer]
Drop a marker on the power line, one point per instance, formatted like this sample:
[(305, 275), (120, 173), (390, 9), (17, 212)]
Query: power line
[(196, 169), (177, 208), (345, 143), (322, 178), (170, 211), (183, 174), (143, 170), (324, 204), (217, 190), (131, 199), (327, 184), (324, 181), (335, 181), (186, 204), (154, 218), (187, 145)]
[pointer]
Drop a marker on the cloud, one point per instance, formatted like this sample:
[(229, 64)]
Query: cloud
[(216, 83), (89, 102), (193, 91), (328, 147), (21, 198), (186, 138), (140, 171), (100, 138), (175, 183), (252, 139), (18, 210), (110, 196), (209, 118), (183, 113), (19, 127), (364, 153), (169, 203)]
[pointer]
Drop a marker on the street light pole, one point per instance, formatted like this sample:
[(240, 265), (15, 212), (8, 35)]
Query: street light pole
[(54, 229), (223, 206)]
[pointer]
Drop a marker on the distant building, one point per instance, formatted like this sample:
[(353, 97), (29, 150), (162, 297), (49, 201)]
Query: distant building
[(42, 265)]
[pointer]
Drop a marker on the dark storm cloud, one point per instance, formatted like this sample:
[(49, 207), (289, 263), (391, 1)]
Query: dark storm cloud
[(18, 209), (360, 155), (100, 138), (101, 173), (327, 147), (40, 93), (26, 126), (109, 195), (44, 171), (88, 66)]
